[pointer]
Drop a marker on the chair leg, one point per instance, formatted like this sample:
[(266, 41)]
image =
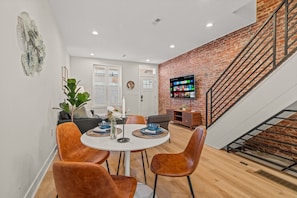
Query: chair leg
[(155, 185), (119, 162), (143, 168), (148, 164), (123, 157), (107, 165), (190, 184)]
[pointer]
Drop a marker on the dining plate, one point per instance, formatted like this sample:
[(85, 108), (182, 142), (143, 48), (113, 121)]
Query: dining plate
[(100, 130)]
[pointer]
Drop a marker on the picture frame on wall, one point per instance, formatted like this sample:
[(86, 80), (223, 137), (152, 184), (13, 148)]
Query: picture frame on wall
[(64, 76)]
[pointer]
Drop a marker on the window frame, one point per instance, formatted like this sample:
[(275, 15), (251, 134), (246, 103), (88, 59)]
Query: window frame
[(108, 83)]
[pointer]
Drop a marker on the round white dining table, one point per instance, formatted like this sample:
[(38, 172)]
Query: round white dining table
[(135, 143)]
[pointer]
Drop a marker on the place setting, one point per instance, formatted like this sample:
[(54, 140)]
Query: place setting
[(151, 131), (103, 130)]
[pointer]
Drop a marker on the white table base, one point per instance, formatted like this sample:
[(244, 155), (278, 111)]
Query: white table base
[(144, 191), (127, 163)]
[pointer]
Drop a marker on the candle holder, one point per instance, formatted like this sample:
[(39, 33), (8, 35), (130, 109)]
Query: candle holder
[(123, 139)]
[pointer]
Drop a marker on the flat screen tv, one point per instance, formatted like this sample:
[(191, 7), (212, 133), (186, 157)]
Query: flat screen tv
[(183, 87)]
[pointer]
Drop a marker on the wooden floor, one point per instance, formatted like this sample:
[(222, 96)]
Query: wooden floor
[(219, 174)]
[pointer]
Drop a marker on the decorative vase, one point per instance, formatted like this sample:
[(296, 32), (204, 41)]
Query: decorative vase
[(113, 130)]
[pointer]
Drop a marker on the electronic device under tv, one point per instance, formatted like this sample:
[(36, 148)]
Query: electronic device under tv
[(183, 87)]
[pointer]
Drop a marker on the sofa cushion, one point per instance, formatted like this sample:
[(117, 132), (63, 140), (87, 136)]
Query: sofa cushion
[(64, 115), (84, 124)]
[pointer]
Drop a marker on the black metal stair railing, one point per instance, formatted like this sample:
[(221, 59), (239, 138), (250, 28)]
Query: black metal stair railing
[(272, 142), (274, 42)]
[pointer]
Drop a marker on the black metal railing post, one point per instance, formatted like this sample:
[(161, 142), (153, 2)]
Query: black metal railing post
[(208, 102), (286, 27), (206, 110), (274, 39), (210, 105)]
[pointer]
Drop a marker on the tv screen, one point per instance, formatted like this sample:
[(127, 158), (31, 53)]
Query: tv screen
[(183, 87)]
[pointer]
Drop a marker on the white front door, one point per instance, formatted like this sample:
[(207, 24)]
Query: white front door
[(148, 96)]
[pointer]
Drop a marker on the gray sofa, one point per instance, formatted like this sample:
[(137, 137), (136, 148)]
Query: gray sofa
[(84, 124), (162, 119)]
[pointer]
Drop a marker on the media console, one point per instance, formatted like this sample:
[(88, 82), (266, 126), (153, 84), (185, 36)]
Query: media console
[(186, 118)]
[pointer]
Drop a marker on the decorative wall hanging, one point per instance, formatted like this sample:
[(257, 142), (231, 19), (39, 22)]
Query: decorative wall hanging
[(31, 44), (130, 85)]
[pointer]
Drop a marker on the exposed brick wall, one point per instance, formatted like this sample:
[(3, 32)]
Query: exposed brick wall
[(208, 62)]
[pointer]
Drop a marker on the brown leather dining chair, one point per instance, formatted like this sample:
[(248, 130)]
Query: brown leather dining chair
[(136, 119), (180, 164), (70, 147), (88, 180)]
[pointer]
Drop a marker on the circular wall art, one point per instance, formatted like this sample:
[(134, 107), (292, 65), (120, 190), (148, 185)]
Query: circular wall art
[(130, 84), (31, 44)]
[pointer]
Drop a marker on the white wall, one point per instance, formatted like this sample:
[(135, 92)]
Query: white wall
[(273, 94), (82, 68), (27, 120)]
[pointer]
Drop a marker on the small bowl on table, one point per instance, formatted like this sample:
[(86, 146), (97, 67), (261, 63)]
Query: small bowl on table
[(104, 125), (153, 126)]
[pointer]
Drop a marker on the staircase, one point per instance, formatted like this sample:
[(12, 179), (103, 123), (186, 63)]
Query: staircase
[(259, 83), (272, 142), (252, 108)]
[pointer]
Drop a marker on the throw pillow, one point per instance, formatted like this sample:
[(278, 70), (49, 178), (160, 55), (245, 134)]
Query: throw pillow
[(81, 113)]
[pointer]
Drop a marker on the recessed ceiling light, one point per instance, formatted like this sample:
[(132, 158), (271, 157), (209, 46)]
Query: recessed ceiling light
[(95, 32), (172, 46), (92, 54), (147, 60), (209, 25)]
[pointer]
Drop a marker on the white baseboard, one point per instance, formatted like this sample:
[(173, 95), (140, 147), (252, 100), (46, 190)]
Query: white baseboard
[(38, 179)]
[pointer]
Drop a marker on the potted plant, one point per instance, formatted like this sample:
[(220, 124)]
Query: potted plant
[(75, 100)]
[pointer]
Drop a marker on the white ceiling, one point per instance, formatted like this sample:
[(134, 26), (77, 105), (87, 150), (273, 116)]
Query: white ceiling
[(128, 31)]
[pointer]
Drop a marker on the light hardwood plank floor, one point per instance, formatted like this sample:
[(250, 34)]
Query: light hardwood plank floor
[(218, 175)]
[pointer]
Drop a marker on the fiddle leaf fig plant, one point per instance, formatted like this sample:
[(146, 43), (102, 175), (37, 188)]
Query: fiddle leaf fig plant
[(75, 99)]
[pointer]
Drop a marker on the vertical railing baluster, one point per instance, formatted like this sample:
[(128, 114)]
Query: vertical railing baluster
[(274, 39), (206, 110), (286, 27), (210, 105)]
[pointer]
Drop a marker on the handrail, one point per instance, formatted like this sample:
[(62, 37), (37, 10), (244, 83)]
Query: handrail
[(272, 44), (268, 142)]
